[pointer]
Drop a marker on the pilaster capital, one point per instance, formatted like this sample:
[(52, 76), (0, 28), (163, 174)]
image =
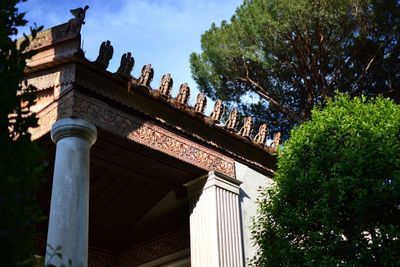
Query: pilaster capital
[(213, 178), (70, 127)]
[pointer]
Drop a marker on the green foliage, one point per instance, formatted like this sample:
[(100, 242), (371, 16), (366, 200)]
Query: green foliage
[(295, 54), (336, 197), (56, 253), (20, 158)]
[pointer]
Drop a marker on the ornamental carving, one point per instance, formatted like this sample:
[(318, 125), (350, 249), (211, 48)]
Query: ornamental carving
[(75, 24), (57, 110), (172, 243), (60, 33), (101, 259), (166, 84), (201, 102), (55, 78), (262, 134), (276, 140), (126, 65), (184, 94), (146, 75), (232, 120), (151, 135), (106, 52), (217, 112), (247, 127)]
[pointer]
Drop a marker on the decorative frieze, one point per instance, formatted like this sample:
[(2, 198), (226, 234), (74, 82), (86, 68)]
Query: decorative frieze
[(150, 134), (164, 246), (59, 109), (58, 77), (102, 259)]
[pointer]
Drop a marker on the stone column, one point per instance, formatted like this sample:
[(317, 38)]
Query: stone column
[(215, 231), (69, 210)]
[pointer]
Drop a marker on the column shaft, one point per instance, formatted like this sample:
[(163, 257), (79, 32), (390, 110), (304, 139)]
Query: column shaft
[(69, 210)]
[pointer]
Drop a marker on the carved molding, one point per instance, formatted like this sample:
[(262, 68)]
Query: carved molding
[(52, 36), (161, 247), (102, 259), (151, 135), (55, 111), (52, 78)]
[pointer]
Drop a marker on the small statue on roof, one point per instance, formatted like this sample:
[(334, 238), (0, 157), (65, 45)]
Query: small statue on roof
[(276, 140), (262, 134), (201, 102), (232, 120), (217, 112), (106, 52), (184, 94), (126, 65), (247, 127), (166, 84), (75, 24), (146, 75)]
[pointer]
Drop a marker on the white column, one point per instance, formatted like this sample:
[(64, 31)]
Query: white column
[(69, 210), (215, 231)]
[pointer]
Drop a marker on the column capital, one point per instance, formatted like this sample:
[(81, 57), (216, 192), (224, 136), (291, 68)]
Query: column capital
[(73, 127)]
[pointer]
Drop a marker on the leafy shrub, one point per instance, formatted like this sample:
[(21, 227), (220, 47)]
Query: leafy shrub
[(336, 198)]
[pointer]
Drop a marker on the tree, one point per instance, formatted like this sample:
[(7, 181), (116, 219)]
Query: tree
[(336, 198), (20, 158), (295, 54)]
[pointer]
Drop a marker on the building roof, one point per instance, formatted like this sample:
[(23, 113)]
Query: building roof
[(60, 64)]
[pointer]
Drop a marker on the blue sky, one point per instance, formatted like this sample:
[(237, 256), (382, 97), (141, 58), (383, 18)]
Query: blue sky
[(162, 33)]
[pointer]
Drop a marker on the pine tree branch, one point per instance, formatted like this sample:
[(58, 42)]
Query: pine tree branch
[(262, 92)]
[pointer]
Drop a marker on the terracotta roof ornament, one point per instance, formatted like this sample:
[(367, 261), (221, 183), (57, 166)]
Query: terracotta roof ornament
[(217, 112), (232, 120), (184, 94), (126, 65), (276, 140), (262, 134), (146, 75), (201, 102), (247, 127), (106, 52), (75, 24), (166, 85)]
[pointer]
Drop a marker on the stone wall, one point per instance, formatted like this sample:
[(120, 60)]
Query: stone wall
[(252, 180)]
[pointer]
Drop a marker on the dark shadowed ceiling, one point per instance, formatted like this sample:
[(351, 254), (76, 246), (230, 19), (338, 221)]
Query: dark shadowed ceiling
[(136, 193)]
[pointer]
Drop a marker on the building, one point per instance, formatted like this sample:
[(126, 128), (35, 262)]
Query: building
[(169, 186)]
